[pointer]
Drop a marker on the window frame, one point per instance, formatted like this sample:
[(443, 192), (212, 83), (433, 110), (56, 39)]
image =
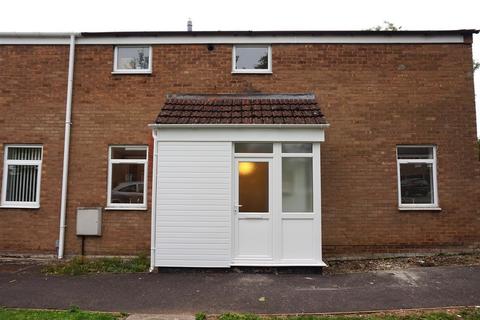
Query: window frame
[(252, 71), (6, 163), (132, 71), (111, 162), (433, 162)]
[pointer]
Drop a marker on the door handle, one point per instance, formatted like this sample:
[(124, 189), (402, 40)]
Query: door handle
[(237, 207)]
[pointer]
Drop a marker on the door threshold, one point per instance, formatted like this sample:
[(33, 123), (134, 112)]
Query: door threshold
[(277, 264)]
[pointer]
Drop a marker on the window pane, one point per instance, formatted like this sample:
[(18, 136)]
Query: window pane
[(251, 58), (297, 185), (133, 152), (296, 147), (129, 58), (415, 152), (253, 186), (20, 153), (416, 180), (127, 181), (253, 147), (22, 183)]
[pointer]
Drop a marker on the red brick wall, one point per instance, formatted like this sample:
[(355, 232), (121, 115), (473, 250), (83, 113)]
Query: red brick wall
[(33, 85), (374, 97)]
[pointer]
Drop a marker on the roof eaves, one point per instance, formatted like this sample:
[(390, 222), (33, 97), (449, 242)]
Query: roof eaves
[(273, 33)]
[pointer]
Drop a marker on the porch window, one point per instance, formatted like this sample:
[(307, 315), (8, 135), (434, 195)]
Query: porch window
[(417, 177), (127, 173), (21, 176), (297, 177), (253, 147), (132, 59), (252, 59)]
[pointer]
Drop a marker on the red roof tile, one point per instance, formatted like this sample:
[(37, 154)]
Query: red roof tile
[(241, 109)]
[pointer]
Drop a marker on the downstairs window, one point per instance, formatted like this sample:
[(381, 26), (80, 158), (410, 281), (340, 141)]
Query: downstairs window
[(127, 174), (21, 176), (417, 177)]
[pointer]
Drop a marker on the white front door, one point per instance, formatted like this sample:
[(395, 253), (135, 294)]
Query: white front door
[(253, 221)]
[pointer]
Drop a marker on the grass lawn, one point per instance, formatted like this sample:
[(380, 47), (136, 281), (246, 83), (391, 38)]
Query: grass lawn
[(461, 314), (72, 314)]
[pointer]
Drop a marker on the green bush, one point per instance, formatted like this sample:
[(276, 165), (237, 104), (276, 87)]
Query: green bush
[(201, 316)]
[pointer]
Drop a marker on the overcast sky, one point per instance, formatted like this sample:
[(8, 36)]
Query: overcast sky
[(142, 15)]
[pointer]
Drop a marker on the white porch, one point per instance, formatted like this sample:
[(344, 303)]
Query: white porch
[(214, 205)]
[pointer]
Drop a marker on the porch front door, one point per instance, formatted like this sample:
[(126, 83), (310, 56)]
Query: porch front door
[(253, 221)]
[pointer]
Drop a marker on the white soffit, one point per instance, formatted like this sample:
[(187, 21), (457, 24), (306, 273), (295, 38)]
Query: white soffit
[(348, 39)]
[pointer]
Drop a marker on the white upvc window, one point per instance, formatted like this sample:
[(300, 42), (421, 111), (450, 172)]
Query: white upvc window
[(127, 177), (417, 177), (132, 59), (21, 176), (254, 58)]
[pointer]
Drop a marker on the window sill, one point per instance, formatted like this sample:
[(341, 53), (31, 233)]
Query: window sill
[(18, 207), (419, 209), (126, 208), (132, 72), (251, 72)]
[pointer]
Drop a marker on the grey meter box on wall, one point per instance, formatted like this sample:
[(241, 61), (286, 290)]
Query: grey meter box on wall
[(89, 221)]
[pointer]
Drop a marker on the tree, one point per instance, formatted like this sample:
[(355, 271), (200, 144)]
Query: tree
[(262, 63), (476, 66), (387, 26)]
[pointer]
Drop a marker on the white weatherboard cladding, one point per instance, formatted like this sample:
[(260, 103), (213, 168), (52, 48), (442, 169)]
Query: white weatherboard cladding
[(193, 222)]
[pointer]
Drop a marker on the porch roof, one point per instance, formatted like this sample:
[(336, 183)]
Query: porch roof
[(241, 109)]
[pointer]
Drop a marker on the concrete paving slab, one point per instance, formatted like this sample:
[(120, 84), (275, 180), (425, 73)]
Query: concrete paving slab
[(160, 317)]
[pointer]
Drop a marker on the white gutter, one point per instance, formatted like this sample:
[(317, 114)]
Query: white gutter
[(237, 125), (154, 202), (66, 148)]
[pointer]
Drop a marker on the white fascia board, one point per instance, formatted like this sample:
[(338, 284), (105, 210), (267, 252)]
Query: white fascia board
[(340, 39), (274, 39), (34, 41), (38, 34), (7, 38), (292, 133)]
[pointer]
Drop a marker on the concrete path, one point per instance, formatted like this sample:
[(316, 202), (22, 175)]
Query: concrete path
[(222, 291), (138, 316)]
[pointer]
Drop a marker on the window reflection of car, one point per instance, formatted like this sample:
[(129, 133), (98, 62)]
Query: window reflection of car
[(128, 192), (415, 187)]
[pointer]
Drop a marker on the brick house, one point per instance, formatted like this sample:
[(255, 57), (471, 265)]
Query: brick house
[(238, 148)]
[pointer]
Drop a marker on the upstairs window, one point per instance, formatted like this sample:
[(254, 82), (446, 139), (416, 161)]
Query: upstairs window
[(21, 176), (252, 59), (417, 177), (127, 177), (132, 59)]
